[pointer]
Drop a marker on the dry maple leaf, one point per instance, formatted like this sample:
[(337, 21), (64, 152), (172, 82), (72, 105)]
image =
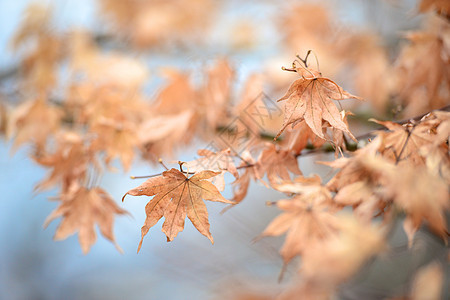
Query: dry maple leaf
[(422, 69), (403, 142), (178, 87), (161, 134), (329, 262), (371, 78), (360, 182), (353, 168), (215, 94), (310, 98), (80, 210), (116, 139), (298, 138), (307, 217), (338, 135), (277, 163), (422, 195), (242, 182), (175, 196), (69, 163), (221, 161), (44, 48), (34, 121)]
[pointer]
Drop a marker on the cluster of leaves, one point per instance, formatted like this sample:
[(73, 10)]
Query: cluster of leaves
[(104, 116)]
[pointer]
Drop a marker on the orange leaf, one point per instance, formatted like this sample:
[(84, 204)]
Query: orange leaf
[(310, 98), (80, 210), (175, 196)]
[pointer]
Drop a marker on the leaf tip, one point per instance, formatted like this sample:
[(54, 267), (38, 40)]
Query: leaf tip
[(139, 246)]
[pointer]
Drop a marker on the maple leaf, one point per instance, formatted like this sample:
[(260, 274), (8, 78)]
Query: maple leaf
[(221, 161), (361, 181), (176, 195), (299, 136), (116, 140), (216, 93), (372, 78), (307, 217), (338, 135), (34, 121), (353, 168), (403, 142), (277, 163), (44, 48), (422, 195), (69, 163), (242, 182), (327, 263), (423, 84), (161, 134), (310, 98), (80, 210), (178, 87)]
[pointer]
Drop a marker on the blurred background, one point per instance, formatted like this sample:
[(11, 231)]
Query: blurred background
[(256, 37)]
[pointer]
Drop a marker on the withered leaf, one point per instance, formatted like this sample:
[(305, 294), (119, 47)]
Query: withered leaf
[(220, 161), (307, 217), (277, 163), (80, 210), (299, 137), (175, 196), (310, 98), (403, 142), (423, 196), (69, 163), (34, 121), (337, 257)]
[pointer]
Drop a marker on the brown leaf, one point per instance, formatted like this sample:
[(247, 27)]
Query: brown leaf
[(179, 87), (277, 163), (422, 69), (221, 162), (403, 142), (116, 140), (422, 195), (306, 218), (241, 184), (69, 163), (327, 263), (310, 98), (161, 134), (304, 186), (34, 121), (299, 136), (175, 196), (80, 210), (216, 93)]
